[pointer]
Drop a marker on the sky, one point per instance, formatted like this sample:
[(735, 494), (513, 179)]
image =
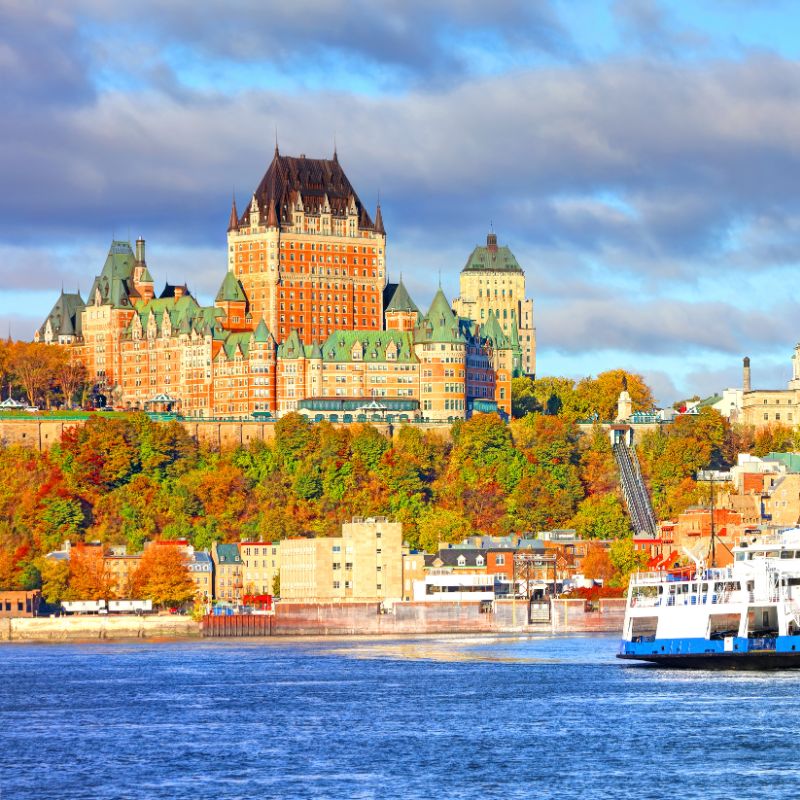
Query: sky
[(640, 158)]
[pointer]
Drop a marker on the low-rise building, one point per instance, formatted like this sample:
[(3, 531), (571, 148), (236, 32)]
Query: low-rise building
[(20, 603), (261, 564), (228, 572)]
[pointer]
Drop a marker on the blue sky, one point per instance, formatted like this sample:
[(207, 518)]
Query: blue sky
[(641, 158)]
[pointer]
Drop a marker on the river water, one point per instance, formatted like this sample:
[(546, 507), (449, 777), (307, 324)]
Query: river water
[(475, 717)]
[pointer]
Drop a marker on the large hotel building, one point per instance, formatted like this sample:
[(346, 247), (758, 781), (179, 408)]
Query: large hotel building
[(305, 319)]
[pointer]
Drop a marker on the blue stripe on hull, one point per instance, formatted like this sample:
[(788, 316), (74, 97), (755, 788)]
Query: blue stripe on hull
[(663, 648)]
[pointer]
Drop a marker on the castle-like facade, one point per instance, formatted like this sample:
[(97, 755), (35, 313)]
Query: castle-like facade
[(305, 319)]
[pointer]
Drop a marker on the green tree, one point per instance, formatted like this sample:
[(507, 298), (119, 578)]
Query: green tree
[(601, 517)]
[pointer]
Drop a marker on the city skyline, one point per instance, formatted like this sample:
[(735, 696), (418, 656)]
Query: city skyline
[(638, 158)]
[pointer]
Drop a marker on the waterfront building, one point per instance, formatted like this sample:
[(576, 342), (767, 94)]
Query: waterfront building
[(261, 564), (21, 603), (228, 572), (304, 320), (492, 282), (363, 564)]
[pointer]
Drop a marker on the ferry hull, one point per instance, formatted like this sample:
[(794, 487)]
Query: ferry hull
[(752, 661), (734, 652)]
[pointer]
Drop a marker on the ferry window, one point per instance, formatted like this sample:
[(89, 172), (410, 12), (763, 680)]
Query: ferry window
[(787, 554)]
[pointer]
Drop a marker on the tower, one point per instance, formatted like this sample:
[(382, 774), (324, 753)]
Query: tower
[(307, 254), (492, 280)]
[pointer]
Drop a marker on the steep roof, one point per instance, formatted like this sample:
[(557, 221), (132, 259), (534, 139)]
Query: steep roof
[(401, 300), (440, 324), (115, 281), (492, 258), (261, 333), (373, 346), (169, 290), (491, 329), (228, 554), (292, 347), (65, 316), (231, 290), (320, 182)]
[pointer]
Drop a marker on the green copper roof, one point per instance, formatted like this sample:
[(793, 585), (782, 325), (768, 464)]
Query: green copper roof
[(231, 290), (440, 324), (401, 301), (228, 554), (492, 258), (315, 351), (491, 330), (369, 346), (239, 340), (261, 333), (292, 347), (146, 276)]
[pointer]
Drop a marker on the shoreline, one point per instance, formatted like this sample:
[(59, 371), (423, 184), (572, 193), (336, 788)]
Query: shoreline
[(312, 621)]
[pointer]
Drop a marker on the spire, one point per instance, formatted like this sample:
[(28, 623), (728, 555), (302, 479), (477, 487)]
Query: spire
[(335, 152), (277, 152), (233, 224), (272, 217), (379, 220)]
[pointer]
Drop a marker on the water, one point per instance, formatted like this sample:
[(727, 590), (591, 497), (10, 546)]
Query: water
[(426, 718)]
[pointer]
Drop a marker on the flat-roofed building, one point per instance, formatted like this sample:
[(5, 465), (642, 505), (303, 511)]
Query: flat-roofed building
[(364, 564), (261, 563)]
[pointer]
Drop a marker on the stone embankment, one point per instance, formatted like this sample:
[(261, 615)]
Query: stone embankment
[(74, 628), (332, 619)]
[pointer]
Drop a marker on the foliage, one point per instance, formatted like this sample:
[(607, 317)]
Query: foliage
[(163, 576)]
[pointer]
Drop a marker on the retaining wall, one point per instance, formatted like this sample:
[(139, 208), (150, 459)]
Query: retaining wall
[(124, 626), (43, 434)]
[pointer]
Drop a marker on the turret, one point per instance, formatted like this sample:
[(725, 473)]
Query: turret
[(233, 223)]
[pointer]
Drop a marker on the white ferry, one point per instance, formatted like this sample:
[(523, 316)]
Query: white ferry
[(746, 615)]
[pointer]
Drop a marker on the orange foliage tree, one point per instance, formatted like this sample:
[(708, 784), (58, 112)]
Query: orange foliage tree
[(163, 575), (89, 577)]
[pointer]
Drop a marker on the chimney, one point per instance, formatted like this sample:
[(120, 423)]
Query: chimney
[(746, 374), (140, 250), (491, 242)]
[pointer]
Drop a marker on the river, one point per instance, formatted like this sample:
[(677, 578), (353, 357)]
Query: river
[(488, 717)]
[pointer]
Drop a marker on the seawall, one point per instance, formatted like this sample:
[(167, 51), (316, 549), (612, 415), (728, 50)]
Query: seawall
[(71, 628), (348, 619)]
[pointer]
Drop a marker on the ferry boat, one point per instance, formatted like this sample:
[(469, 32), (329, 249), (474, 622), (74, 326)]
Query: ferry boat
[(746, 615)]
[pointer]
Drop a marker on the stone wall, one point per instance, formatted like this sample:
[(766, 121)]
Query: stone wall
[(76, 627), (43, 433)]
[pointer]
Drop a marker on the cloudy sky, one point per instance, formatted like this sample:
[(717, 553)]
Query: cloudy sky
[(641, 158)]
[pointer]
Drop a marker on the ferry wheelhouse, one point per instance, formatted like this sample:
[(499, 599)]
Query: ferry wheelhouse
[(745, 615)]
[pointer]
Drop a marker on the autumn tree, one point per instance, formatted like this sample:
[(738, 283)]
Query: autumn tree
[(89, 576), (55, 579), (69, 374), (597, 564), (600, 395), (32, 367), (163, 576), (626, 559)]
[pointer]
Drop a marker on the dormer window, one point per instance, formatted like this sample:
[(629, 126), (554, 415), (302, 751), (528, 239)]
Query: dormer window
[(462, 562), (479, 561)]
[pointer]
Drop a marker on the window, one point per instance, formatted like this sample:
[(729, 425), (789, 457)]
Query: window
[(337, 565), (462, 561), (479, 561), (336, 584), (500, 559)]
